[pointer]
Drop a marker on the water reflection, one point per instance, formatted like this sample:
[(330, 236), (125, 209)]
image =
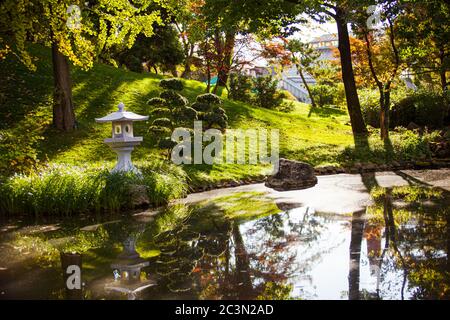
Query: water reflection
[(396, 249)]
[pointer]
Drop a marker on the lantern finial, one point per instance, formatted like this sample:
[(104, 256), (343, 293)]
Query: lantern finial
[(121, 106)]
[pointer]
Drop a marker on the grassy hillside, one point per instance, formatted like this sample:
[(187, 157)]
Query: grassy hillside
[(320, 137), (25, 96)]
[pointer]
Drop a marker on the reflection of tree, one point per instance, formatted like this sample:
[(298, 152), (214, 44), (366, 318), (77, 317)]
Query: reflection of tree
[(417, 241), (391, 237), (391, 244), (243, 268), (212, 257), (355, 255)]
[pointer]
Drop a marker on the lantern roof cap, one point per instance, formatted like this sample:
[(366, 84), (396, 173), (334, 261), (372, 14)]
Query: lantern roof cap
[(121, 115)]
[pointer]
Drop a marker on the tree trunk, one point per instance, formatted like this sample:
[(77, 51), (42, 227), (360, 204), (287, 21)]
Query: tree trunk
[(63, 111), (444, 85), (313, 103), (225, 65), (348, 76), (243, 267), (357, 232), (187, 63), (384, 114), (385, 95)]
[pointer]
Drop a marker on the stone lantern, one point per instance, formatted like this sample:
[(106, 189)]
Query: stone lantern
[(123, 141)]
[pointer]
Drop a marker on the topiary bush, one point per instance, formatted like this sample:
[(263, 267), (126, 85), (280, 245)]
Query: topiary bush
[(171, 84), (209, 111), (170, 110)]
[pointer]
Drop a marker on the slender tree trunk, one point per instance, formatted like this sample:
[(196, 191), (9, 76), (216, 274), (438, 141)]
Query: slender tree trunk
[(348, 76), (384, 114), (208, 74), (173, 71), (63, 109), (384, 89), (187, 63), (313, 102)]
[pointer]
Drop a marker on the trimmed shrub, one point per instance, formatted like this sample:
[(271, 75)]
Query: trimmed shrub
[(240, 87), (171, 84), (171, 111), (209, 110), (422, 108), (209, 99), (324, 94), (267, 96)]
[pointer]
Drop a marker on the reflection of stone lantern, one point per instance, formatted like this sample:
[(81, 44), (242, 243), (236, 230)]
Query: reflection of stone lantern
[(127, 271), (123, 141)]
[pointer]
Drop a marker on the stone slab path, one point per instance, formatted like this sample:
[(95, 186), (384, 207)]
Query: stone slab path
[(341, 194)]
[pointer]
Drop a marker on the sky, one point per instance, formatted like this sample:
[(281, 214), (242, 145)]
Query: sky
[(313, 30)]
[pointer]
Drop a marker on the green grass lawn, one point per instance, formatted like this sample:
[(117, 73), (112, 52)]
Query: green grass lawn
[(318, 137)]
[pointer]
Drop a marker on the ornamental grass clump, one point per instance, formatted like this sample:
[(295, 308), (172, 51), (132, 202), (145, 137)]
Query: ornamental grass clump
[(68, 190)]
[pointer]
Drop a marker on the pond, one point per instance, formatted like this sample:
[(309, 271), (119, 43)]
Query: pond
[(239, 246)]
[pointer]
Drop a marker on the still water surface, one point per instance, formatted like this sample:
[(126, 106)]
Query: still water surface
[(238, 247)]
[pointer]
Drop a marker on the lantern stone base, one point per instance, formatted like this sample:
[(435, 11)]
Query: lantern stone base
[(123, 150)]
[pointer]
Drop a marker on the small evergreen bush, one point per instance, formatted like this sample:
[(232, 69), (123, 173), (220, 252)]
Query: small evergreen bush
[(240, 87), (324, 95), (267, 96)]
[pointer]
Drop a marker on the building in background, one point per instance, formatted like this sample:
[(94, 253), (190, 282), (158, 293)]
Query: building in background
[(326, 45), (290, 78)]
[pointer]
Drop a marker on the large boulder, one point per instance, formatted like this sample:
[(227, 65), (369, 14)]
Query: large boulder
[(292, 175)]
